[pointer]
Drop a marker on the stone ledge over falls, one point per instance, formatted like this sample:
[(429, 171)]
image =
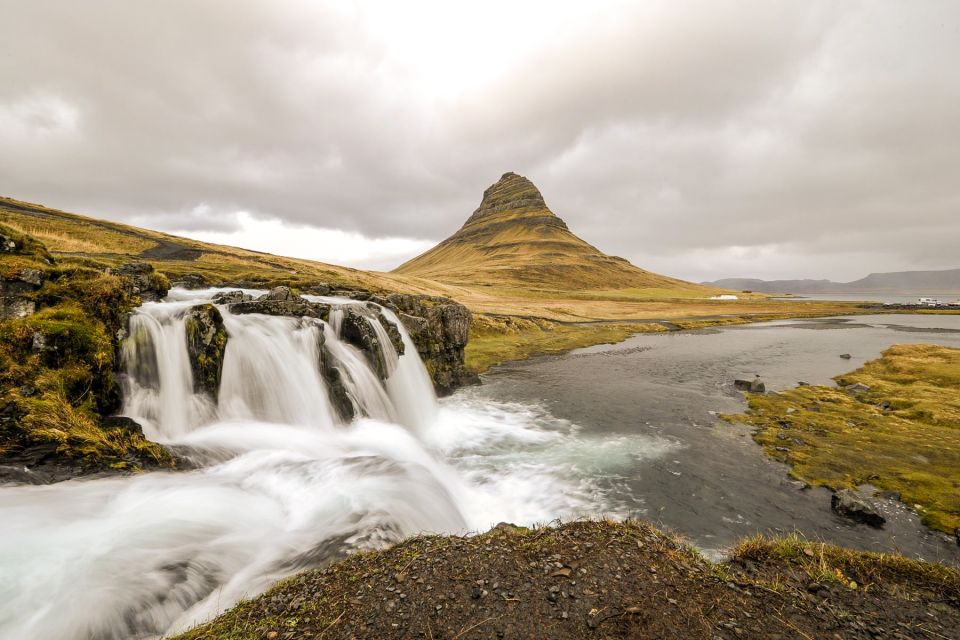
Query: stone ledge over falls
[(440, 328)]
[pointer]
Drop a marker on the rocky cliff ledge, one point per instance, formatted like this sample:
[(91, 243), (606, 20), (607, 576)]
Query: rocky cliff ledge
[(62, 323), (440, 328)]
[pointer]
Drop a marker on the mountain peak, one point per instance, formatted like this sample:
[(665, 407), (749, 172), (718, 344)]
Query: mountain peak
[(511, 191), (514, 240)]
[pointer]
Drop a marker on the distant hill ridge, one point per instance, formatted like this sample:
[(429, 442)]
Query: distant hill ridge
[(514, 239), (944, 281)]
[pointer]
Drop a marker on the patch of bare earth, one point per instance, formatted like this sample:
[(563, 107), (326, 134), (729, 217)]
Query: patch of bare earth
[(599, 580)]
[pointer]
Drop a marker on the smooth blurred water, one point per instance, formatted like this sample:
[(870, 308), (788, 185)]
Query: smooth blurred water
[(709, 480), (282, 484)]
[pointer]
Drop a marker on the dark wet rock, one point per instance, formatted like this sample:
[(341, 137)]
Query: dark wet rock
[(122, 423), (206, 344), (143, 281), (295, 308), (845, 356), (357, 329), (333, 374), (232, 297), (10, 474), (753, 386), (191, 281), (282, 294), (317, 289), (440, 329), (854, 506)]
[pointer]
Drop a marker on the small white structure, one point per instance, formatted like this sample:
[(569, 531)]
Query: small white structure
[(929, 302), (725, 296)]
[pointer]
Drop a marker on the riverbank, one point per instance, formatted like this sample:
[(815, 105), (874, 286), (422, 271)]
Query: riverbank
[(605, 580), (893, 424), (499, 339)]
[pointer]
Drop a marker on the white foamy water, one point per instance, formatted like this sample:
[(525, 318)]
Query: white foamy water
[(282, 484)]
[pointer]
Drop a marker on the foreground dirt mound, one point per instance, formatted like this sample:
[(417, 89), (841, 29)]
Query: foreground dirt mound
[(602, 580)]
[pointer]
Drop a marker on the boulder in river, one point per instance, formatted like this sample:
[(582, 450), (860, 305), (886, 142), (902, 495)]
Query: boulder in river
[(440, 328), (232, 297), (206, 344), (358, 329), (854, 506), (281, 301), (753, 386), (845, 356)]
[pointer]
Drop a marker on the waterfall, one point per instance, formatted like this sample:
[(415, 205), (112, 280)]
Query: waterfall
[(271, 372), (409, 385), (158, 383), (282, 483)]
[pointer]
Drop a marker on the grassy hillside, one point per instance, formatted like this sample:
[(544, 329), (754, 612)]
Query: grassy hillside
[(74, 237), (570, 300)]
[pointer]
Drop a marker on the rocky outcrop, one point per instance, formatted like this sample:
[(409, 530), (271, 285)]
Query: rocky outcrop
[(232, 297), (143, 281), (333, 375), (206, 344), (854, 506), (440, 329), (753, 386), (281, 301), (358, 329), (17, 280), (15, 290)]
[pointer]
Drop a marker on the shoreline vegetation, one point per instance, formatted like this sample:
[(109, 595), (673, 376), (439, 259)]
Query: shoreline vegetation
[(893, 424)]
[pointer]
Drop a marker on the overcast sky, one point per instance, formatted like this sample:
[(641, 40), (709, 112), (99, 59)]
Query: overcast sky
[(698, 139)]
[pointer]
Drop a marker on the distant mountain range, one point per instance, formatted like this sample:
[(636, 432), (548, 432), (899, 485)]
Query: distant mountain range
[(906, 282)]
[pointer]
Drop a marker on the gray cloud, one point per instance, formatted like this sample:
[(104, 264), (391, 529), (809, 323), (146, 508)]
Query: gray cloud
[(779, 139)]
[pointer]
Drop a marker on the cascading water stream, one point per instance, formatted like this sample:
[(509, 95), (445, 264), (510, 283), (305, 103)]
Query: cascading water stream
[(282, 484)]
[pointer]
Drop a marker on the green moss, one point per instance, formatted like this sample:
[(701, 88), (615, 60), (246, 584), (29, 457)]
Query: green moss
[(498, 339), (902, 435), (56, 368)]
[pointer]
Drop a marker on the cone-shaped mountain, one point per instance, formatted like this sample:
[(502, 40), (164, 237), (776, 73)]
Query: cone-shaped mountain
[(514, 239)]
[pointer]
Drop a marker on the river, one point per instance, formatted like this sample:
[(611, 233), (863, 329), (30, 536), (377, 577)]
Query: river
[(282, 485)]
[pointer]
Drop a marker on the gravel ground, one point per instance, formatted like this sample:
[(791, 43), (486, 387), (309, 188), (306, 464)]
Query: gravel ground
[(601, 580)]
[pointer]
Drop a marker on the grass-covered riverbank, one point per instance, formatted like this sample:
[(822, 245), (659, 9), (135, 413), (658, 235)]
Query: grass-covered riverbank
[(604, 580), (899, 431), (58, 345)]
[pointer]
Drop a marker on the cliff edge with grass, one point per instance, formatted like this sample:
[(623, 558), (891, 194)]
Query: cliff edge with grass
[(64, 320)]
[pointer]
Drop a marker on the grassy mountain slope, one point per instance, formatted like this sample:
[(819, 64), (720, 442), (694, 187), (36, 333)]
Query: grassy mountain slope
[(513, 239), (532, 286), (76, 238)]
